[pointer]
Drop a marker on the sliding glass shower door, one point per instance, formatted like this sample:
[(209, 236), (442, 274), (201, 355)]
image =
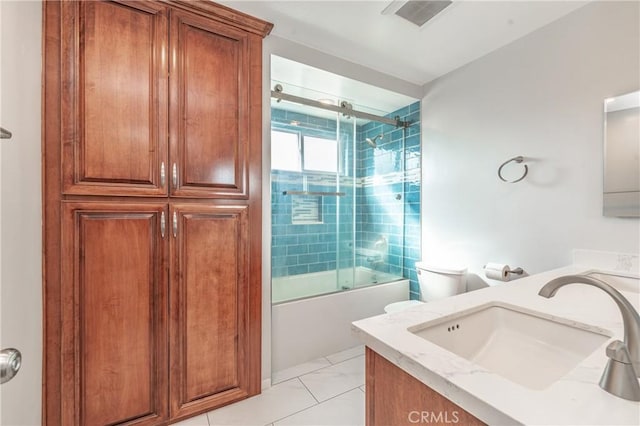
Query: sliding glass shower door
[(340, 178), (313, 199)]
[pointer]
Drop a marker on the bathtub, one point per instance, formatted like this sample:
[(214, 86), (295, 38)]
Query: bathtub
[(305, 327), (285, 289)]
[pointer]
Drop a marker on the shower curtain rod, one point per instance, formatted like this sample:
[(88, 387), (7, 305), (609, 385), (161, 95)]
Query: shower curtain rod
[(345, 108)]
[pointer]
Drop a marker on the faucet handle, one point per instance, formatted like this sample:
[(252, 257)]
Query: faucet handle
[(618, 351), (619, 377)]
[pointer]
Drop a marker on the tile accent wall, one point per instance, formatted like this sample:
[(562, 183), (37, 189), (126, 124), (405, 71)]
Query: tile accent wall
[(380, 202)]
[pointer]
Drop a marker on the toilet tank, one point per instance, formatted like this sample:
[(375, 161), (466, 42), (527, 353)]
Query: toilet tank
[(440, 281)]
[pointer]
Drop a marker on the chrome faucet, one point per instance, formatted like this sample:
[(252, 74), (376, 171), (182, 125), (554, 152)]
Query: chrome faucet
[(620, 374)]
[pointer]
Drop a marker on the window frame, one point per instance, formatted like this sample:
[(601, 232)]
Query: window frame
[(338, 162)]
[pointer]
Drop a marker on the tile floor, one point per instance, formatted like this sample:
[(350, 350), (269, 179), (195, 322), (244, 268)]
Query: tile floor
[(328, 391)]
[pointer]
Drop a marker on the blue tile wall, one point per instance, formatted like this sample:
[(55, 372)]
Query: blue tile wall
[(387, 200), (301, 249)]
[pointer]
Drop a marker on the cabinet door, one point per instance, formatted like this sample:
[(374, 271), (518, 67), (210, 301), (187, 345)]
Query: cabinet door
[(213, 361), (209, 108), (114, 314), (114, 103), (394, 397)]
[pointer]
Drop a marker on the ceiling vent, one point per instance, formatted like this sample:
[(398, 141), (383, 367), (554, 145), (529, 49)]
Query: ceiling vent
[(420, 12)]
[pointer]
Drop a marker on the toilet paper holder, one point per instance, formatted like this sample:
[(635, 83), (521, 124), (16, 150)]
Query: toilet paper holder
[(516, 271), (501, 271)]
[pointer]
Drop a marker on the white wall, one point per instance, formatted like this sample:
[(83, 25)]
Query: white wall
[(315, 58), (21, 309), (540, 97)]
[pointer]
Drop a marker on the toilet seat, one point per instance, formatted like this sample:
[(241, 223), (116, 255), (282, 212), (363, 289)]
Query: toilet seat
[(401, 306)]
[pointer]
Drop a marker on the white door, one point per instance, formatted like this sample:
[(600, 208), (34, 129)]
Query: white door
[(20, 208)]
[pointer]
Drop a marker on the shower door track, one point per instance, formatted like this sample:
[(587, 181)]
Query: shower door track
[(345, 108)]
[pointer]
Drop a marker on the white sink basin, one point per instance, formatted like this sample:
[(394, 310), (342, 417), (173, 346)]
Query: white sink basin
[(519, 345)]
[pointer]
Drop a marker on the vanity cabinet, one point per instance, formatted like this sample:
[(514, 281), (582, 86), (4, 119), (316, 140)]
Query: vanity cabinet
[(152, 210), (394, 397)]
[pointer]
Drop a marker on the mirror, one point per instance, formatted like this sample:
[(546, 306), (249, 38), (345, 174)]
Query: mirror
[(622, 155)]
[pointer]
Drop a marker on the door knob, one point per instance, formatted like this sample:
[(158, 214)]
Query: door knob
[(10, 362)]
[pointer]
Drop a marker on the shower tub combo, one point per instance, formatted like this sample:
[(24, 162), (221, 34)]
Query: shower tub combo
[(342, 190)]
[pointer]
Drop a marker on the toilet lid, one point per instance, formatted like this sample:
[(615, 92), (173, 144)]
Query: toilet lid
[(401, 306), (442, 268)]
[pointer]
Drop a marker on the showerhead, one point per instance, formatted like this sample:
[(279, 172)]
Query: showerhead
[(372, 142)]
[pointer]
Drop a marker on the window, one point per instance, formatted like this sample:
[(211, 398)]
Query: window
[(289, 152), (285, 151), (320, 155)]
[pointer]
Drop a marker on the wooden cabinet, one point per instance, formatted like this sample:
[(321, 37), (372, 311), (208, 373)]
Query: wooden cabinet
[(130, 129), (209, 127), (394, 397), (152, 210), (114, 100), (126, 262), (114, 313), (210, 296)]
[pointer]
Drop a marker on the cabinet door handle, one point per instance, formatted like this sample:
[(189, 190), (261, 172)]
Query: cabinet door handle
[(163, 225), (175, 224), (163, 175), (174, 175)]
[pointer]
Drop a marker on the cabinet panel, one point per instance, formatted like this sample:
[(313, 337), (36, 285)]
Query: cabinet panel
[(209, 94), (394, 397), (114, 314), (209, 308), (115, 109)]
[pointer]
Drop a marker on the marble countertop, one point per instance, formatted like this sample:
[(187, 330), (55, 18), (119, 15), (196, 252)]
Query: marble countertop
[(575, 399)]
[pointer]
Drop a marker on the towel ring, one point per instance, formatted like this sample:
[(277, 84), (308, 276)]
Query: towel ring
[(518, 159)]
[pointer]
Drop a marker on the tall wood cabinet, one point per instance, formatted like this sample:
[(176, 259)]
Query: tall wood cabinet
[(152, 210)]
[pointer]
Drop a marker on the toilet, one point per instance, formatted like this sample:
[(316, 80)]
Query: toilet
[(436, 282)]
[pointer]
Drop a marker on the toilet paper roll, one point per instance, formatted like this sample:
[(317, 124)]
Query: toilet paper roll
[(497, 271)]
